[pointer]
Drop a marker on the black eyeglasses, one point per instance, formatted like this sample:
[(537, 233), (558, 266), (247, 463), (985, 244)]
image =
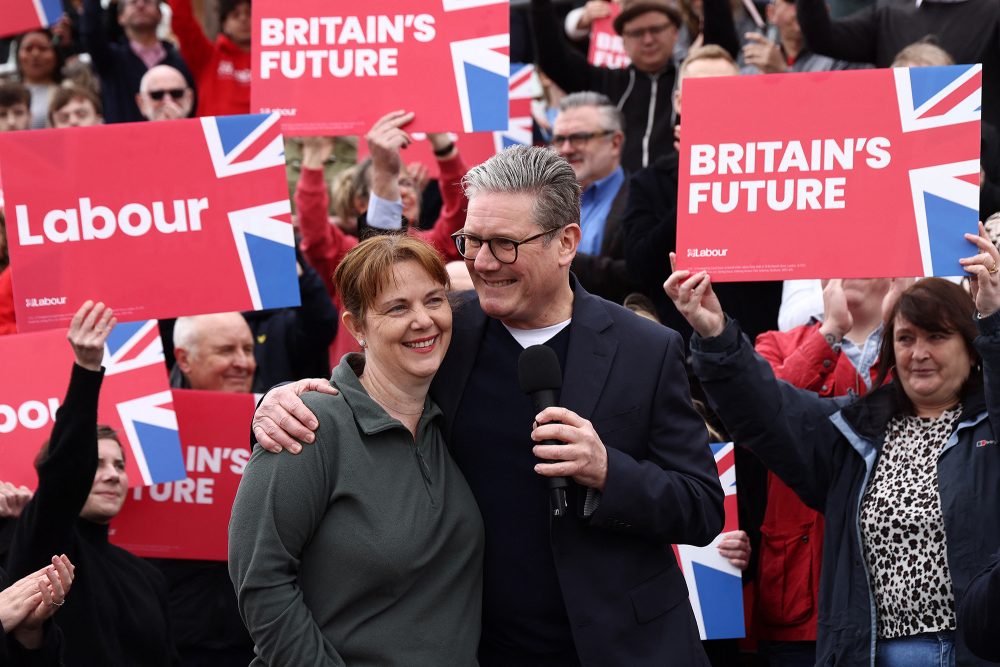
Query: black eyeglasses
[(504, 249), (175, 93), (578, 139)]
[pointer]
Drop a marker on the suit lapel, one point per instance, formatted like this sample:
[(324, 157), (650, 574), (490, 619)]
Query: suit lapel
[(468, 327), (590, 354)]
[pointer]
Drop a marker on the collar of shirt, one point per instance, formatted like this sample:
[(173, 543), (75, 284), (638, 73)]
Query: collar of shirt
[(150, 55), (595, 204), (863, 357)]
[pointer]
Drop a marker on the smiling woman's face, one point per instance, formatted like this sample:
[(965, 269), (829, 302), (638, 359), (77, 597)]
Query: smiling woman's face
[(931, 366), (107, 495)]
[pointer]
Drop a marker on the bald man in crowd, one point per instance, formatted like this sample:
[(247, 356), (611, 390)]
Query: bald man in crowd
[(213, 352), (164, 94)]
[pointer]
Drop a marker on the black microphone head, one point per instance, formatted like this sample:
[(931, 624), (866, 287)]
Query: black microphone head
[(538, 369)]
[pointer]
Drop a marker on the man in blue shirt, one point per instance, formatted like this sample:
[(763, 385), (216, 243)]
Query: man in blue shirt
[(589, 132)]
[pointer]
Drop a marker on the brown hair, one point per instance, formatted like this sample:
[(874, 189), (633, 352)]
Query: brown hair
[(104, 432), (66, 94), (938, 306), (13, 93), (343, 192), (367, 269)]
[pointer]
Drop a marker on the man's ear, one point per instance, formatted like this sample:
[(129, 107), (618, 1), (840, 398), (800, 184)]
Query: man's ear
[(569, 241), (183, 359)]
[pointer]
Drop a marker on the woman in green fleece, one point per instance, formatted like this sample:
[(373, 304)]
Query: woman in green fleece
[(366, 548)]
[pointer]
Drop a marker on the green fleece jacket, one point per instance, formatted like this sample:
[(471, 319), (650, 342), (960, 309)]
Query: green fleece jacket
[(364, 549)]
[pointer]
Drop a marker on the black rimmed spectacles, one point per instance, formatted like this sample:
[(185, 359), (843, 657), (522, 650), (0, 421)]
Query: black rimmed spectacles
[(504, 249)]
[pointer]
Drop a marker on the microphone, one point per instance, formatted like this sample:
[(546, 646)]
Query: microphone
[(540, 377)]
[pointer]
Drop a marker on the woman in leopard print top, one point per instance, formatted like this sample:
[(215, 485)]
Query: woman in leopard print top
[(907, 476)]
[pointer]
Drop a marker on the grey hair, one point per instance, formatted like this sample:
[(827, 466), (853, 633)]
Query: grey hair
[(186, 333), (531, 170), (612, 117)]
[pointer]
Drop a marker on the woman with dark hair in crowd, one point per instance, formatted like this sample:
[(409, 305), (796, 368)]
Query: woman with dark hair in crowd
[(367, 547), (117, 614), (39, 65), (906, 476)]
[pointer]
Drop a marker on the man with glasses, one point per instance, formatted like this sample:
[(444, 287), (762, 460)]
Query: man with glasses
[(164, 94), (589, 132), (642, 90), (121, 64), (598, 585)]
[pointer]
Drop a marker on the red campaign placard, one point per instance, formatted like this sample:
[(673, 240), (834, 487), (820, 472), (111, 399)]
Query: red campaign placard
[(192, 218), (135, 400), (17, 16), (190, 518), (715, 586), (875, 173), (477, 147), (606, 47), (337, 67)]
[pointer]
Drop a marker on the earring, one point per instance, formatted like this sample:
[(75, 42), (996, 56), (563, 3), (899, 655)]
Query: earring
[(362, 343)]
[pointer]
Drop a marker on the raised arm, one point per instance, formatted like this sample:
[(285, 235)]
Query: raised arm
[(94, 38), (451, 169), (985, 272), (812, 364), (787, 428), (66, 473), (718, 26), (196, 49), (323, 244), (556, 56), (853, 38)]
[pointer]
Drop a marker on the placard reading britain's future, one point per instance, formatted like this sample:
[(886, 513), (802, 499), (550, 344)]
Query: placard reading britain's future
[(855, 174), (155, 219), (335, 67)]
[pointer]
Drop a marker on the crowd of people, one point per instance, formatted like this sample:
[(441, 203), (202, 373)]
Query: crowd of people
[(402, 504)]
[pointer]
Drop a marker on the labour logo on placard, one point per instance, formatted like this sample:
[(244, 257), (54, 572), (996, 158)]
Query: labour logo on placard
[(135, 384), (715, 588), (929, 98)]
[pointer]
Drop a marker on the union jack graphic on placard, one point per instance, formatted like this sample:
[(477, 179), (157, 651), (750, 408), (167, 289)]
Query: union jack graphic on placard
[(482, 68), (135, 397), (521, 90), (945, 194), (23, 15), (263, 234), (715, 587)]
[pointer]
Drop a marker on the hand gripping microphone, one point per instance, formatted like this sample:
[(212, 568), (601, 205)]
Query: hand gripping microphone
[(541, 378)]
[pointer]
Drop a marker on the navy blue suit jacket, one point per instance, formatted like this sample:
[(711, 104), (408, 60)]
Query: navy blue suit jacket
[(625, 595)]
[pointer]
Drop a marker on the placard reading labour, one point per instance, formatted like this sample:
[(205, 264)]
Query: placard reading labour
[(135, 400), (813, 186), (337, 67), (158, 219)]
